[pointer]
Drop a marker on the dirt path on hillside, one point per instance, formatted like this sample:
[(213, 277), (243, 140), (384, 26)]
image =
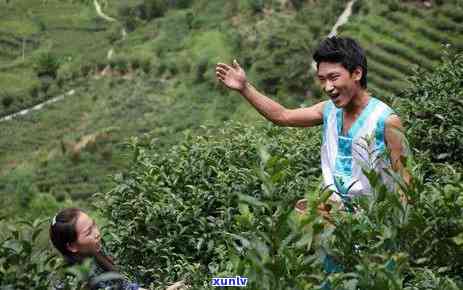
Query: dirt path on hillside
[(110, 53), (100, 13), (37, 107), (342, 19)]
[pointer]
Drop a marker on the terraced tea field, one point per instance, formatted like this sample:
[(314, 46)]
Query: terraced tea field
[(399, 38)]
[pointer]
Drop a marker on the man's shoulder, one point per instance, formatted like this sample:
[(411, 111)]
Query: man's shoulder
[(384, 104)]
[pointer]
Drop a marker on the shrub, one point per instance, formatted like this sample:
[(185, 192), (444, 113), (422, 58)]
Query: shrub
[(432, 111), (19, 181), (394, 6), (274, 249), (283, 62), (86, 68), (140, 62), (45, 83), (46, 64), (257, 6), (115, 32), (120, 63), (222, 206), (68, 71), (201, 69), (127, 17), (177, 206), (297, 4), (53, 90), (150, 9), (7, 100), (34, 91), (181, 4), (23, 264)]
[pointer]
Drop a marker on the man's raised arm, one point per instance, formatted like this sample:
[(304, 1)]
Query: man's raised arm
[(234, 77)]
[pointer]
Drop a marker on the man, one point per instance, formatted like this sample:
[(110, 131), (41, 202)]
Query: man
[(350, 118)]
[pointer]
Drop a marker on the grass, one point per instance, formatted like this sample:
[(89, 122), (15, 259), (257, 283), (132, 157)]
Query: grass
[(71, 120), (66, 28), (125, 108)]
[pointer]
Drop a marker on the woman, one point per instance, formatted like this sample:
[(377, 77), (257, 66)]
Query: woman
[(76, 236)]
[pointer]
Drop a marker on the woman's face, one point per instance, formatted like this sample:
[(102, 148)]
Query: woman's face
[(88, 237)]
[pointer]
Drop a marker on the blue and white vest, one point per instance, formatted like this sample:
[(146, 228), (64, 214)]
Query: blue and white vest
[(343, 157)]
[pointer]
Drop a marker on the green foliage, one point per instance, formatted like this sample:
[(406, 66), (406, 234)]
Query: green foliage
[(146, 10), (176, 206), (410, 35), (205, 207), (275, 249), (170, 211), (150, 9), (26, 262), (432, 111), (361, 7), (297, 4), (46, 64), (19, 181), (7, 99), (120, 63), (207, 49), (256, 6), (181, 4), (400, 239), (279, 51), (281, 61), (22, 264)]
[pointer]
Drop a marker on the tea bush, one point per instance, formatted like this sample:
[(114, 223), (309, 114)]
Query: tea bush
[(177, 206), (202, 211), (275, 249), (387, 244), (432, 111), (206, 208)]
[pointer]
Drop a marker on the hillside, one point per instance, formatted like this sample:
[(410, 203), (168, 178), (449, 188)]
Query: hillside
[(160, 79), (35, 36), (186, 181), (401, 36)]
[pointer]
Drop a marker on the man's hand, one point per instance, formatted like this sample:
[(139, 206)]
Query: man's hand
[(323, 209), (232, 76)]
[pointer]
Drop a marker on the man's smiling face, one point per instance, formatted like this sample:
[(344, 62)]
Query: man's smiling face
[(338, 83)]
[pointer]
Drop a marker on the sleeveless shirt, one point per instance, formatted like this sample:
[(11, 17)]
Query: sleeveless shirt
[(343, 157)]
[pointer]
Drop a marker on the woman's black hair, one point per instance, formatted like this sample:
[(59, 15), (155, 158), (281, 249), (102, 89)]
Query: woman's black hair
[(345, 51), (63, 232)]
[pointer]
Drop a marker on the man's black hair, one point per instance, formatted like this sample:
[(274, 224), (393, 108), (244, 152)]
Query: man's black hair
[(343, 50)]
